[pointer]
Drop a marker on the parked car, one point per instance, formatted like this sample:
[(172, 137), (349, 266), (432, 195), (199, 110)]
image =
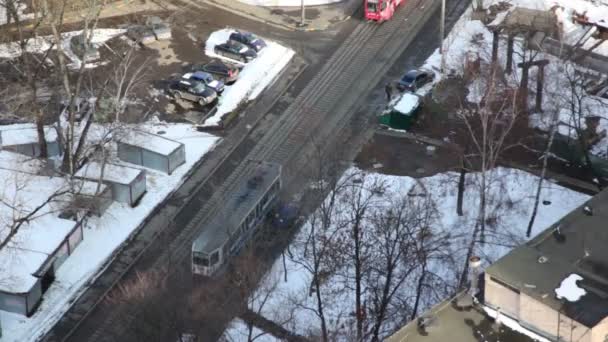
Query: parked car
[(235, 50), (415, 79), (206, 79), (192, 91), (251, 40), (221, 71)]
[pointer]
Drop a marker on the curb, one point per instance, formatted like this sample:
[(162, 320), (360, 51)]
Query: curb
[(292, 28)]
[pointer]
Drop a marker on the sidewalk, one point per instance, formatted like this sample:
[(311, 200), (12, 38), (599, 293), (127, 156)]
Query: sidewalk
[(318, 18)]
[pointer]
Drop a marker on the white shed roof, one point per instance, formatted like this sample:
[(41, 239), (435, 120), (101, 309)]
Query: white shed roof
[(24, 134), (111, 172), (151, 142), (17, 267), (407, 103)]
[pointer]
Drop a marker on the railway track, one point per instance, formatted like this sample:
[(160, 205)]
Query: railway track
[(323, 107)]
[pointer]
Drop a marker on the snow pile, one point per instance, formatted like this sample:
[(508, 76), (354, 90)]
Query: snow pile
[(288, 3), (510, 201), (253, 78), (104, 234), (569, 290), (514, 325), (40, 45), (407, 103)]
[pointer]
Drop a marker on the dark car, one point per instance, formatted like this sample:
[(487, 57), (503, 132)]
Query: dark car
[(221, 71), (206, 79), (249, 39), (192, 91), (235, 50), (415, 79)]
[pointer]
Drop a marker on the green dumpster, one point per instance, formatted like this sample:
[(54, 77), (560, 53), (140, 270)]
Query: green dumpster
[(402, 112)]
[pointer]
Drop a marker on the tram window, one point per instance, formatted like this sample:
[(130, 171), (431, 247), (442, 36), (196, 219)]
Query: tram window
[(372, 6), (201, 260), (215, 258)]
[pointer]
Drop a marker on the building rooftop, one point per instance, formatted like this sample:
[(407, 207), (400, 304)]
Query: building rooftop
[(449, 323), (151, 142), (239, 202), (111, 172), (574, 245), (24, 134)]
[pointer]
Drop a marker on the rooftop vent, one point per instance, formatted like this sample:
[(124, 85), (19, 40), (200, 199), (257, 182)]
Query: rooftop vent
[(588, 210), (542, 259), (557, 234)]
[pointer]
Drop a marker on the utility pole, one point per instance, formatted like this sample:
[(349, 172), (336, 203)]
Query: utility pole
[(303, 14), (442, 36)]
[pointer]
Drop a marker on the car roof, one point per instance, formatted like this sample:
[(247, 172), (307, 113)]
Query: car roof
[(201, 74)]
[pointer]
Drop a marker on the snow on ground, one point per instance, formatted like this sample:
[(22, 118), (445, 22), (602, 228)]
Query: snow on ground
[(597, 12), (288, 3), (253, 78), (470, 39), (240, 331), (42, 44), (103, 235), (569, 289), (510, 201)]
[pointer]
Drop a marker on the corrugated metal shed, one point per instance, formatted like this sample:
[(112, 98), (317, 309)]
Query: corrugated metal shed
[(152, 151)]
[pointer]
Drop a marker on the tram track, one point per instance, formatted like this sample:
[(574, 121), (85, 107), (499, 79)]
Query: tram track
[(287, 137)]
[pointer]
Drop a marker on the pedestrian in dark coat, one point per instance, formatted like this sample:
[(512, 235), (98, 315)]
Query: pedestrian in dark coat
[(389, 92)]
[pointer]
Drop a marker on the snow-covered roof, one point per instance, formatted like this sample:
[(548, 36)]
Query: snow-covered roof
[(111, 172), (11, 136), (27, 250), (151, 142), (407, 103), (18, 162)]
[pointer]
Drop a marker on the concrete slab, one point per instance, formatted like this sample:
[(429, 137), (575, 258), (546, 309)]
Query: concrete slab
[(317, 18)]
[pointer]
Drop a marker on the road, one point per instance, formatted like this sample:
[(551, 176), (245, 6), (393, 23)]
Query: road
[(287, 131)]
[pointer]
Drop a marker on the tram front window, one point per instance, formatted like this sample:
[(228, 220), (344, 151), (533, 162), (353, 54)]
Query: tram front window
[(372, 5), (215, 258), (201, 260)]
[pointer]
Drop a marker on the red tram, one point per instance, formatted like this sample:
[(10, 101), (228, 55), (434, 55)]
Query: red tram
[(381, 10)]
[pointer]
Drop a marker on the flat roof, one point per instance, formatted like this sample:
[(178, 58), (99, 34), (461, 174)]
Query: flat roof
[(24, 134), (19, 162), (30, 247), (151, 142), (238, 203), (574, 245), (453, 324), (111, 172)]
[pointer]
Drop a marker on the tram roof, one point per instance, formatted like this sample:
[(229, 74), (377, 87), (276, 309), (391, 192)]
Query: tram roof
[(240, 201)]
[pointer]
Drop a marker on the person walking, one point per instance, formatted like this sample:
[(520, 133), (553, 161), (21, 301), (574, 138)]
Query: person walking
[(389, 92)]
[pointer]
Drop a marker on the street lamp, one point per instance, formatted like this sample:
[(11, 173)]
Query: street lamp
[(442, 35), (303, 13)]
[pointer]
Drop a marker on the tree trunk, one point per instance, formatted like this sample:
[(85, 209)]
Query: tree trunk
[(418, 292), (41, 136), (358, 294), (461, 185)]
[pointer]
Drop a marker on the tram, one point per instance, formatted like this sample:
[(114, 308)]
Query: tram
[(381, 10), (245, 208)]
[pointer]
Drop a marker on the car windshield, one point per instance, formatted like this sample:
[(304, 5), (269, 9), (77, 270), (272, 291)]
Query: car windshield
[(409, 78), (372, 5), (199, 88)]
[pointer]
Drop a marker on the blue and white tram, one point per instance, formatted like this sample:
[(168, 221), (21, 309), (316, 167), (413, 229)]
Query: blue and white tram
[(247, 205)]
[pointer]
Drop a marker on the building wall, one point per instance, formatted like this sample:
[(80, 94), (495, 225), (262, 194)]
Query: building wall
[(547, 320), (138, 187), (33, 298), (155, 161), (600, 331), (500, 296), (177, 158), (13, 303)]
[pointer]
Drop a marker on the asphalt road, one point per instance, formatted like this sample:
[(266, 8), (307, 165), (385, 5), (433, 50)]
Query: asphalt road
[(328, 105)]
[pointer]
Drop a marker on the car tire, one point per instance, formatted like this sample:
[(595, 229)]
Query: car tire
[(202, 102), (243, 59)]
